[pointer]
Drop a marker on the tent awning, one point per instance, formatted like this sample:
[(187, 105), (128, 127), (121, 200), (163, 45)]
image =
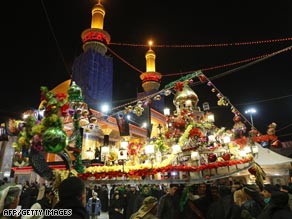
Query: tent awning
[(267, 157)]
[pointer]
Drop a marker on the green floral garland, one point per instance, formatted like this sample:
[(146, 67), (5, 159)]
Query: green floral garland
[(25, 135), (78, 144), (185, 136)]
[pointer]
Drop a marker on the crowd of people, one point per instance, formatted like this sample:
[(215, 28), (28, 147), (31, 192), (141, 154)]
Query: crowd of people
[(211, 200)]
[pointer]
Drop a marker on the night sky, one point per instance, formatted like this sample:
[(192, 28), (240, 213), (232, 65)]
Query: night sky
[(41, 39)]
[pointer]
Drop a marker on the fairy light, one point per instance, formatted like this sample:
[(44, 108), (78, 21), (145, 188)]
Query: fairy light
[(268, 41), (231, 105), (123, 60), (150, 43), (257, 58)]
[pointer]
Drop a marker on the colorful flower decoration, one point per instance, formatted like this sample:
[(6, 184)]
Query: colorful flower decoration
[(113, 155), (134, 148), (196, 132), (202, 78), (137, 171), (179, 86)]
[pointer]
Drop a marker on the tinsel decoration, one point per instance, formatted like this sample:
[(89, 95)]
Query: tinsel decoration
[(38, 162), (64, 154), (78, 145), (138, 110), (75, 99), (259, 174), (185, 197), (23, 143)]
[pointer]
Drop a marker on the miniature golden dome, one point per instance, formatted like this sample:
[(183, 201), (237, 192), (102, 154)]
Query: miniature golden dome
[(186, 97)]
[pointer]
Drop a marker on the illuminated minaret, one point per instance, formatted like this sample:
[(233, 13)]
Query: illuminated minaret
[(93, 69), (150, 79), (150, 83), (95, 37)]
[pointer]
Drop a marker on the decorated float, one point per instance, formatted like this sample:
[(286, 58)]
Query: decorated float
[(189, 147)]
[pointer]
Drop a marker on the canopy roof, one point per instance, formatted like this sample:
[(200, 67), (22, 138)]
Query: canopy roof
[(267, 157)]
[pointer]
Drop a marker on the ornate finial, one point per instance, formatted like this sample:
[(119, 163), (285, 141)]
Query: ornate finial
[(75, 93), (185, 97), (150, 43)]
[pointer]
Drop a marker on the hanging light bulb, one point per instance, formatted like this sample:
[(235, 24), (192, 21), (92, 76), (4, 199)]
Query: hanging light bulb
[(166, 111), (211, 117)]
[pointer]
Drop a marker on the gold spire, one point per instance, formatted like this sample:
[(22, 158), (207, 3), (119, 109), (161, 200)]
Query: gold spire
[(98, 13), (96, 37), (150, 59), (150, 79)]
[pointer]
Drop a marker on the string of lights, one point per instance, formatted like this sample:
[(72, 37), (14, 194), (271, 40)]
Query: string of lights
[(218, 66), (247, 43), (284, 135), (281, 129), (123, 60), (233, 108), (259, 58), (263, 58)]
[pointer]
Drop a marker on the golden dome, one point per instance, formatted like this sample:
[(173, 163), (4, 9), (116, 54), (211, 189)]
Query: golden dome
[(181, 98), (63, 87)]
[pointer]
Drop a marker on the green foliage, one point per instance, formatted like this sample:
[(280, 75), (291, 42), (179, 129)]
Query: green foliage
[(160, 145), (25, 135)]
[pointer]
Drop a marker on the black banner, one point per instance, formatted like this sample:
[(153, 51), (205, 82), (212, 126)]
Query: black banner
[(123, 124)]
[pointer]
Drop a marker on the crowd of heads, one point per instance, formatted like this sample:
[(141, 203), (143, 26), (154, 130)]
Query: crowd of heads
[(73, 189)]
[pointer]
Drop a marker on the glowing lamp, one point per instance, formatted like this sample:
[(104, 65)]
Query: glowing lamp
[(188, 103), (173, 173), (242, 153), (176, 149), (166, 111), (247, 149), (211, 138), (211, 117), (149, 149), (124, 145), (226, 139), (104, 152), (195, 155)]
